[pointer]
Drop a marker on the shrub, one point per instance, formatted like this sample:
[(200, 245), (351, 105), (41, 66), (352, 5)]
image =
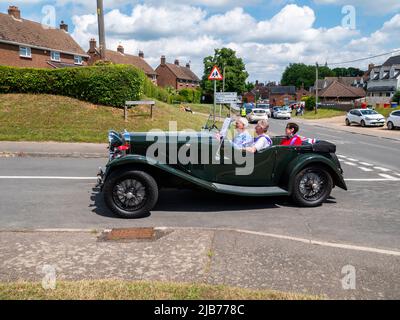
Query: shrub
[(310, 103), (109, 85)]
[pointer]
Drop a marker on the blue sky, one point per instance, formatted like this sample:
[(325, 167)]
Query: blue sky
[(268, 35)]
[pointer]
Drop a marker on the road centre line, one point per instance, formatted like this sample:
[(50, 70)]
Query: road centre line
[(351, 159), (350, 163), (382, 169), (365, 169), (389, 177), (366, 164)]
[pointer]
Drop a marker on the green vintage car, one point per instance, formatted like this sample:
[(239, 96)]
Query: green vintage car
[(140, 164)]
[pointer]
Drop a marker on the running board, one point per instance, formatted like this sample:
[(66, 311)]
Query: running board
[(250, 191)]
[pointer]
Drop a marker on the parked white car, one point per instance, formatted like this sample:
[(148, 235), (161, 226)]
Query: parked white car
[(365, 117), (394, 120), (282, 113), (258, 114)]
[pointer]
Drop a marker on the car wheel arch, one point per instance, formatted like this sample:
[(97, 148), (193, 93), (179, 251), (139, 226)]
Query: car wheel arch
[(293, 169)]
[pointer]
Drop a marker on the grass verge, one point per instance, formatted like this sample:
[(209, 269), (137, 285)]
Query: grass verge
[(322, 114), (127, 290), (28, 117), (386, 111)]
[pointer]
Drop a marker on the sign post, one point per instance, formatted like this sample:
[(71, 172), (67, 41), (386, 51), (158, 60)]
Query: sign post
[(215, 76)]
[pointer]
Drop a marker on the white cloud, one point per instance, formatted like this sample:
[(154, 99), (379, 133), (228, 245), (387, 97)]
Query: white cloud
[(369, 6)]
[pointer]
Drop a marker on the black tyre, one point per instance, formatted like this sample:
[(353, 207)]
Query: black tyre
[(312, 186), (362, 123), (130, 194), (390, 125), (348, 122)]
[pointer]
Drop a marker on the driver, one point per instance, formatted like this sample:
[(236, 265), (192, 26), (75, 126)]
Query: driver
[(263, 141)]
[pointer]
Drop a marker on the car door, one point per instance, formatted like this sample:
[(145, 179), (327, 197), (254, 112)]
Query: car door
[(396, 118), (357, 116)]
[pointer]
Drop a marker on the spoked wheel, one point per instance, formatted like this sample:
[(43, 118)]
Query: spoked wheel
[(130, 194), (312, 186), (390, 125)]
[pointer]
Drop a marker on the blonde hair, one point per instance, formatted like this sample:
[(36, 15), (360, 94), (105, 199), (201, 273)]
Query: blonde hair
[(263, 124)]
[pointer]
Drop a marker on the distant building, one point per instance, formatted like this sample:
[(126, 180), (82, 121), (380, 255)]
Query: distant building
[(384, 81), (282, 95), (25, 43), (120, 57), (176, 76), (339, 93)]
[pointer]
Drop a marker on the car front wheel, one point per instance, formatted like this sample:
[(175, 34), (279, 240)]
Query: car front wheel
[(390, 125), (312, 186), (348, 122), (130, 194), (362, 123)]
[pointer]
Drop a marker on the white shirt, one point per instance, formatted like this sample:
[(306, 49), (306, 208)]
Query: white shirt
[(262, 143)]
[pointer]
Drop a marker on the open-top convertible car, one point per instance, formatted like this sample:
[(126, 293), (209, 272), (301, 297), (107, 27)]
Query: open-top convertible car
[(140, 164)]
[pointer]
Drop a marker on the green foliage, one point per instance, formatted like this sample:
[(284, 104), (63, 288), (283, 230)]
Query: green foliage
[(310, 103), (250, 86), (152, 91), (108, 85), (348, 72), (235, 71), (297, 74), (396, 97)]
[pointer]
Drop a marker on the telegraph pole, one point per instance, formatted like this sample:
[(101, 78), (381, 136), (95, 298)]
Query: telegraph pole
[(102, 36), (316, 88)]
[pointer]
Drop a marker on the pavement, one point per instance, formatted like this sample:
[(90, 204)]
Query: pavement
[(255, 243), (226, 257)]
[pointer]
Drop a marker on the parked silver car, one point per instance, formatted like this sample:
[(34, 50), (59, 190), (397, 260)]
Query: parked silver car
[(365, 117), (393, 121)]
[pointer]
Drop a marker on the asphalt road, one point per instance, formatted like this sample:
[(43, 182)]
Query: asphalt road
[(367, 215)]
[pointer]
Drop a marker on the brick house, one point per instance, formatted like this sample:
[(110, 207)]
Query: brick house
[(25, 43), (301, 93), (176, 76), (120, 57), (339, 93), (282, 95)]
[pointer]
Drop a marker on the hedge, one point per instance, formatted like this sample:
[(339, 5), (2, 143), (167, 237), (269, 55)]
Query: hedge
[(108, 85)]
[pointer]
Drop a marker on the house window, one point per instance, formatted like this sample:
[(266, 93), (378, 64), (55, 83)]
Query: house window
[(78, 60), (55, 56), (25, 52), (387, 94)]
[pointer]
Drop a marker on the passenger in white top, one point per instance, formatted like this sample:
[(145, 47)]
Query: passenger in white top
[(262, 141)]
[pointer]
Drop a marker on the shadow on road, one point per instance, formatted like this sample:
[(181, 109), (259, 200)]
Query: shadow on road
[(201, 201)]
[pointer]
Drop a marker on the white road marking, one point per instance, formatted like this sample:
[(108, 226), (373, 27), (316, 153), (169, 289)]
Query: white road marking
[(342, 156), (366, 164), (306, 241), (351, 159), (349, 163), (372, 180), (389, 177), (398, 174), (382, 169), (48, 178), (365, 169)]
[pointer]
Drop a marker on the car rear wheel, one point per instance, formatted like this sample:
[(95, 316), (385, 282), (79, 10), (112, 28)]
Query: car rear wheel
[(348, 122), (130, 194), (362, 123), (390, 125), (312, 186)]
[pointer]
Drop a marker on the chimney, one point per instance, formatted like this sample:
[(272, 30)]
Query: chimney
[(15, 12), (102, 36), (121, 49), (256, 82), (141, 54), (163, 60), (176, 62), (93, 45), (63, 26), (188, 65)]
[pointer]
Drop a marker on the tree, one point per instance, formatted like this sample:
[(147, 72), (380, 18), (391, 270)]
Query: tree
[(250, 86), (235, 71), (396, 97), (297, 74), (348, 72)]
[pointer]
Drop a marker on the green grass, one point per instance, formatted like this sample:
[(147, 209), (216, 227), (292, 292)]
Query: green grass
[(202, 108), (386, 111), (322, 114), (143, 290), (28, 117)]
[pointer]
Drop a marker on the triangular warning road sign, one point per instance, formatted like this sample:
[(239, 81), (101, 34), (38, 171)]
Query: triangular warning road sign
[(215, 74)]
